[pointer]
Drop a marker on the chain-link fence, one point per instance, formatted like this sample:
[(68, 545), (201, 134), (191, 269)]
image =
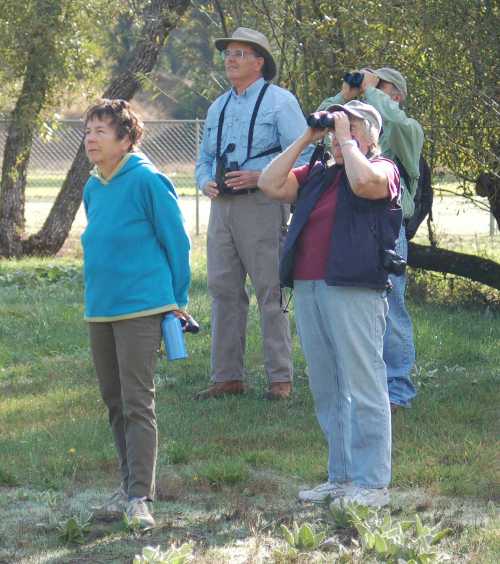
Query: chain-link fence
[(172, 145)]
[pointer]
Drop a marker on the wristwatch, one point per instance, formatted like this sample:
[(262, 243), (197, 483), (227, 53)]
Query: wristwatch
[(352, 142)]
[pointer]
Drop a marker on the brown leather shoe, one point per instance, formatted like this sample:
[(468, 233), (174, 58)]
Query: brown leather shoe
[(219, 389), (279, 391), (394, 407)]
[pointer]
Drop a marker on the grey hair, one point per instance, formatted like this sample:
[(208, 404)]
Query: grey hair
[(372, 134)]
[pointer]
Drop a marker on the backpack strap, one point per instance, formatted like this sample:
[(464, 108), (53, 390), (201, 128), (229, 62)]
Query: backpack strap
[(403, 172)]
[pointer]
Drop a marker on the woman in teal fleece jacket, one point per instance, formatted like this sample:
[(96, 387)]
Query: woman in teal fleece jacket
[(136, 268)]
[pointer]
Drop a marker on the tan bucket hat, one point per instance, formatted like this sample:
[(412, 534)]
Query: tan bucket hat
[(360, 110), (258, 41)]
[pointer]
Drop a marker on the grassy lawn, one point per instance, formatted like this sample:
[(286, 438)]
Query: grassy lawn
[(229, 470), (44, 186)]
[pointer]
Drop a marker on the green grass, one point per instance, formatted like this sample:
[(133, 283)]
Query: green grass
[(44, 185), (222, 462)]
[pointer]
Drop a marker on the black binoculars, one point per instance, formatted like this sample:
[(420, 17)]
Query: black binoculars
[(393, 263), (353, 79), (220, 173), (189, 325), (323, 121)]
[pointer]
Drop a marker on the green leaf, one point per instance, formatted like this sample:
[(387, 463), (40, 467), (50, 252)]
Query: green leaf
[(380, 544), (368, 539), (440, 535), (306, 537), (287, 535)]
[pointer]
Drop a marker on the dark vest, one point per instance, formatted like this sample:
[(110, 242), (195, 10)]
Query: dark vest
[(362, 230)]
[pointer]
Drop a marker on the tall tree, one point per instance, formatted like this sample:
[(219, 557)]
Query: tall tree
[(46, 49), (154, 19)]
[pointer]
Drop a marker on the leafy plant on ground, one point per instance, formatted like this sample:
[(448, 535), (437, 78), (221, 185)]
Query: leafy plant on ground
[(154, 555), (41, 274), (303, 537), (395, 542), (74, 530)]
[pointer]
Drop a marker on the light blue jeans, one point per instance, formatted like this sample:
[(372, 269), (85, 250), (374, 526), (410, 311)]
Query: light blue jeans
[(399, 349), (341, 331)]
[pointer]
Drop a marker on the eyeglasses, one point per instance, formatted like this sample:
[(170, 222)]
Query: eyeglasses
[(237, 54)]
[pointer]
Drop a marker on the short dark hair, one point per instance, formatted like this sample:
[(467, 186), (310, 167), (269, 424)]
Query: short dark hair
[(125, 121)]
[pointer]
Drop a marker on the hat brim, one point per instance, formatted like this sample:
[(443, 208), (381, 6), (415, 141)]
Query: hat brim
[(269, 71), (351, 112), (340, 108)]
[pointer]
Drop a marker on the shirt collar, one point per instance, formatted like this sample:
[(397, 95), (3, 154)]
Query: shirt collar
[(252, 89)]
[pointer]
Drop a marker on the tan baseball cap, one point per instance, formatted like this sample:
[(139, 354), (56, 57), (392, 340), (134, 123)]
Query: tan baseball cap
[(258, 41), (361, 110), (393, 76)]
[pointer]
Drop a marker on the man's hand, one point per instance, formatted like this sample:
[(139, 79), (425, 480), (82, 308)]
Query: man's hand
[(348, 92), (369, 79), (242, 179), (342, 127), (210, 189)]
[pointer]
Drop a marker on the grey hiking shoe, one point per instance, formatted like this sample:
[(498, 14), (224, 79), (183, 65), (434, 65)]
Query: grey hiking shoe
[(331, 490), (369, 497), (114, 506), (138, 513)]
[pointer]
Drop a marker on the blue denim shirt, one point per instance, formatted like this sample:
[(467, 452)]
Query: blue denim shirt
[(279, 122)]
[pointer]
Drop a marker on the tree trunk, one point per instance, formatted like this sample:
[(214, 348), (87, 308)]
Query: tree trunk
[(20, 135), (475, 268), (160, 17)]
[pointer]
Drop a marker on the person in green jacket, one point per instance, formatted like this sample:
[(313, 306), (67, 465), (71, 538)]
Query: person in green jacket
[(402, 140)]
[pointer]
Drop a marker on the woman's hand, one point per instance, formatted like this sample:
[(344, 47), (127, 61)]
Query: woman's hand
[(342, 127), (181, 314)]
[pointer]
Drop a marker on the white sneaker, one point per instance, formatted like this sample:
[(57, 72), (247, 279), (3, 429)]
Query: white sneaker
[(138, 513), (332, 490), (369, 497)]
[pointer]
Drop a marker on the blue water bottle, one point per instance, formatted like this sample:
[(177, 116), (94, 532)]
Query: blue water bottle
[(173, 337)]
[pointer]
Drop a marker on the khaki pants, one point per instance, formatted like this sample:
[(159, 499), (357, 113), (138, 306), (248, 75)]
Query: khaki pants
[(124, 354), (244, 237)]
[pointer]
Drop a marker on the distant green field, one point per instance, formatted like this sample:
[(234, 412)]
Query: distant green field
[(44, 186)]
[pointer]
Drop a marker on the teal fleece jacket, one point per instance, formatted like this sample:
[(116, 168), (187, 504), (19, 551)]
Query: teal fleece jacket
[(135, 246)]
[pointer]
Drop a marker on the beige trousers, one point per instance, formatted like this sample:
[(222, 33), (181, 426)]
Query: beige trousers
[(125, 354), (245, 233)]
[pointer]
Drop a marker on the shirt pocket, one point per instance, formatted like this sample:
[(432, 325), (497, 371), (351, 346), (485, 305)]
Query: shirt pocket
[(211, 127), (265, 134)]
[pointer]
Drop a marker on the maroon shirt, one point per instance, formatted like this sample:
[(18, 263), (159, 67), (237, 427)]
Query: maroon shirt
[(314, 242)]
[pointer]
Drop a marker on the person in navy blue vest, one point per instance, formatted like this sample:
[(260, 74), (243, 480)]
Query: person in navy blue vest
[(339, 246)]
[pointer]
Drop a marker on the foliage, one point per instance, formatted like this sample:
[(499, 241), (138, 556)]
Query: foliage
[(396, 541), (41, 274), (303, 537), (154, 555), (63, 36), (74, 530), (315, 43), (225, 471)]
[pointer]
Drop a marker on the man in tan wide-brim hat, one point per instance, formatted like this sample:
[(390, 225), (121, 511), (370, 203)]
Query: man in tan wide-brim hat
[(245, 128), (257, 41)]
